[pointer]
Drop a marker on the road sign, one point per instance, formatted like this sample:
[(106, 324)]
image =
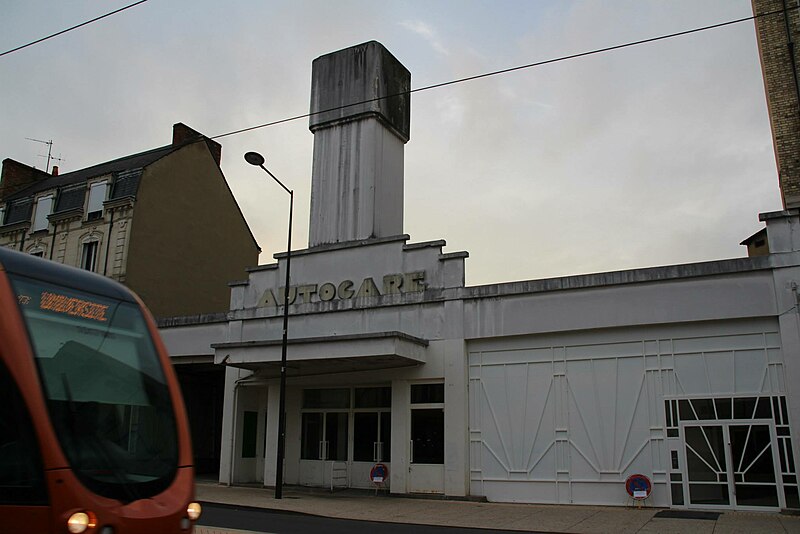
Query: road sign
[(638, 486), (379, 473)]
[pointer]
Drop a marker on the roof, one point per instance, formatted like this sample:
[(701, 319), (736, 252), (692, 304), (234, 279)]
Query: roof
[(134, 161), (761, 234)]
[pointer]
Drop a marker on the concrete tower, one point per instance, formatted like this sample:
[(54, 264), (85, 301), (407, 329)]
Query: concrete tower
[(357, 176), (777, 35)]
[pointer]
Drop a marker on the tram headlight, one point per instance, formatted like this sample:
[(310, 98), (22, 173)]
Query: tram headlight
[(193, 510), (80, 521)]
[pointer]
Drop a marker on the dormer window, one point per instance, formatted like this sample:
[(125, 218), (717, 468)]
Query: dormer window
[(44, 206), (97, 195), (71, 198), (19, 211)]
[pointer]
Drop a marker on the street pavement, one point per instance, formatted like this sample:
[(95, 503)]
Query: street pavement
[(576, 519)]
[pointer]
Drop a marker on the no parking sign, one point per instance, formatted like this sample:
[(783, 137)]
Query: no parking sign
[(638, 486), (379, 473)]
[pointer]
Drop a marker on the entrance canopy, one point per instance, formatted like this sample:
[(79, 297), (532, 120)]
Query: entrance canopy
[(325, 355)]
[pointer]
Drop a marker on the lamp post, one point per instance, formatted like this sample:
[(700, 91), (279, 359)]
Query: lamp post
[(254, 158)]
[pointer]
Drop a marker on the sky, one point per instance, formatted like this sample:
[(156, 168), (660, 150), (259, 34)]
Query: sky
[(657, 154)]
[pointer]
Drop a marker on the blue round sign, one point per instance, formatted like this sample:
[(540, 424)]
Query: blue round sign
[(638, 486), (379, 473)]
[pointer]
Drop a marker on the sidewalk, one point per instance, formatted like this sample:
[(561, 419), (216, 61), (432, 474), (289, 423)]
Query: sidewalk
[(359, 505)]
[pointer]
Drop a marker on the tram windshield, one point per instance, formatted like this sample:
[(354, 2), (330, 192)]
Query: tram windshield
[(106, 391)]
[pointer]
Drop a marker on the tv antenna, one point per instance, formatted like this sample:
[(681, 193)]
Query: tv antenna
[(49, 155)]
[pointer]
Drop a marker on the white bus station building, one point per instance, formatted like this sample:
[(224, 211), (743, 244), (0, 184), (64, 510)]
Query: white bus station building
[(537, 391)]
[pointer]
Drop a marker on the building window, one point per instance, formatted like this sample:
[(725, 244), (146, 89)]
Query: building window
[(97, 195), (44, 206), (38, 253), (2, 216), (71, 198), (19, 211), (330, 416), (89, 256)]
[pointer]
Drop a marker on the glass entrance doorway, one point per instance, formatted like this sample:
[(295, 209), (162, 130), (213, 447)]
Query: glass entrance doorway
[(344, 428), (731, 464), (735, 452)]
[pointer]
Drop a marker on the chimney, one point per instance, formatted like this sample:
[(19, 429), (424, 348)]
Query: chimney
[(357, 174), (55, 170), (17, 176), (182, 134)]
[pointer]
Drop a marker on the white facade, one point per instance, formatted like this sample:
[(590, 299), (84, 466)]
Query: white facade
[(554, 391)]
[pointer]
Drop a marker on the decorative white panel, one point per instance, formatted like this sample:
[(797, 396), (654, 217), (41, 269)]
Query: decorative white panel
[(563, 423)]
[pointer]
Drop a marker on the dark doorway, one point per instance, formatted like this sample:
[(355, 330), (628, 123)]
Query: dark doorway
[(203, 386)]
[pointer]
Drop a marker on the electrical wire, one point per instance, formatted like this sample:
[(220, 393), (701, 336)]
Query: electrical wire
[(72, 28), (506, 71)]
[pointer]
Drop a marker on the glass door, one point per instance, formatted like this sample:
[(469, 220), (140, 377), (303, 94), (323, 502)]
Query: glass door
[(371, 445), (372, 427), (426, 469), (706, 465), (753, 465), (324, 433), (731, 465), (324, 440)]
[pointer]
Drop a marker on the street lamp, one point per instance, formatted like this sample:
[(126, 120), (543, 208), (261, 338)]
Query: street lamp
[(254, 158)]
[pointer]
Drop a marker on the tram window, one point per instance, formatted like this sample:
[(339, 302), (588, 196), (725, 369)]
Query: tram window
[(21, 474)]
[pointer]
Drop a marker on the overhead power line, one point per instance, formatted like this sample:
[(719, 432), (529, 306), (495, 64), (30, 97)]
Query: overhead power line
[(511, 69), (72, 28)]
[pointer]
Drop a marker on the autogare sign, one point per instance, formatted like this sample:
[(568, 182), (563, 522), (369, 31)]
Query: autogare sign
[(391, 284)]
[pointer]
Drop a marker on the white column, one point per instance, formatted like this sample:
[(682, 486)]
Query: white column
[(400, 436), (456, 418)]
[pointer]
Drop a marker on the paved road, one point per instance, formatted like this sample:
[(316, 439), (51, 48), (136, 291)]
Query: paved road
[(283, 522)]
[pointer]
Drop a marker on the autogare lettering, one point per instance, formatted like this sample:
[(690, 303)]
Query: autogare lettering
[(393, 284), (73, 306)]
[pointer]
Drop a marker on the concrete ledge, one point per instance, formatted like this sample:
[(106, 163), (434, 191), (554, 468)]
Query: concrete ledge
[(633, 276)]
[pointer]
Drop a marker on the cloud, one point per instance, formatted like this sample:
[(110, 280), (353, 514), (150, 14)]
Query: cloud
[(427, 32)]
